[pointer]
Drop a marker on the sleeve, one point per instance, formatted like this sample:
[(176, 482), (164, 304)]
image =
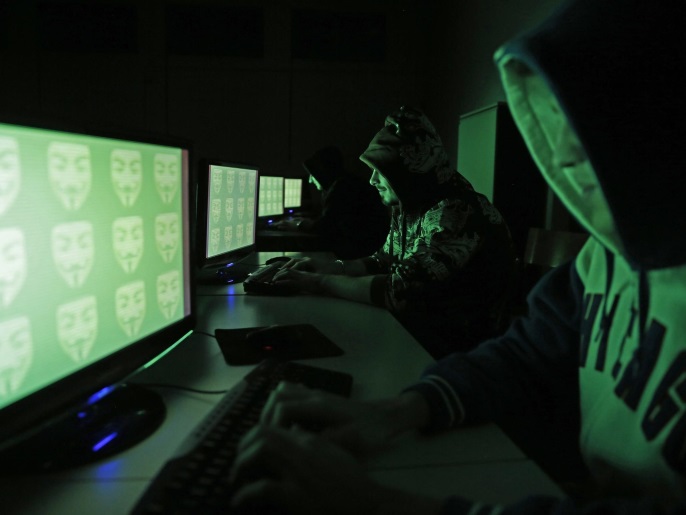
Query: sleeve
[(530, 370), (449, 236)]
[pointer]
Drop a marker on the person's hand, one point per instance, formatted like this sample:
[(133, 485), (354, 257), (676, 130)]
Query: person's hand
[(285, 225), (302, 281), (305, 474), (307, 264), (360, 427)]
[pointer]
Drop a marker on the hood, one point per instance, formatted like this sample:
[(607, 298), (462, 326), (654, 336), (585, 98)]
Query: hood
[(614, 68), (326, 165), (409, 153)]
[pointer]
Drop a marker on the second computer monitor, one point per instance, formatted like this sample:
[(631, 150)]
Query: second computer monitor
[(271, 196), (228, 193), (293, 189)]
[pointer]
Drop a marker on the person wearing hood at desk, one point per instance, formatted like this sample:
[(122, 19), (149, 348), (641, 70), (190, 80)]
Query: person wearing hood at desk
[(353, 221), (448, 263), (598, 365)]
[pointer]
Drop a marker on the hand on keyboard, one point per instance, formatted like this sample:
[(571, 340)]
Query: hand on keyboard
[(303, 474), (362, 428)]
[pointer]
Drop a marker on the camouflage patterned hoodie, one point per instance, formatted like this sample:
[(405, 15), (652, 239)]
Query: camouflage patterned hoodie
[(448, 259)]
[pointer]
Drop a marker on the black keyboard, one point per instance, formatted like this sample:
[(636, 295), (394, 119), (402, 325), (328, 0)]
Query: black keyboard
[(195, 479), (261, 282)]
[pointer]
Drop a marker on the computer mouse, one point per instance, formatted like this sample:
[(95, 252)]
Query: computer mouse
[(284, 259), (275, 338)]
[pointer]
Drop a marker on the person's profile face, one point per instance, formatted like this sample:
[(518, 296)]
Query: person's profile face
[(386, 192), (562, 158), (315, 182)]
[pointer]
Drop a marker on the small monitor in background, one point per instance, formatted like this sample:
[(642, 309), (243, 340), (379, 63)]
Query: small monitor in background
[(293, 190), (270, 202), (227, 201), (95, 252)]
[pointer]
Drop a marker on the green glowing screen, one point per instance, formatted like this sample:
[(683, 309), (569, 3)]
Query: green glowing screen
[(93, 250), (231, 208), (271, 196)]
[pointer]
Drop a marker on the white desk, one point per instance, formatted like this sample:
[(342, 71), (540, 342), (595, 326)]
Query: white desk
[(479, 462)]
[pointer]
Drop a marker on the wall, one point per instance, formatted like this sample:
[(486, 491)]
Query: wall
[(273, 110), (459, 73)]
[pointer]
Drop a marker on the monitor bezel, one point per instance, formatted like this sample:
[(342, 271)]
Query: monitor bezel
[(204, 262), (65, 396)]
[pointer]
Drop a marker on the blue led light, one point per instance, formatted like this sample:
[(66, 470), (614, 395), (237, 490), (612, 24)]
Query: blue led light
[(104, 442), (100, 394)]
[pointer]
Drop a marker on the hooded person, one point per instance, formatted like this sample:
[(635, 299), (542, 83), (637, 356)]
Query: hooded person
[(596, 371), (447, 266), (353, 222)]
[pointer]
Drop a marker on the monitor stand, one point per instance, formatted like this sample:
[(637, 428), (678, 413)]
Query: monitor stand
[(111, 424)]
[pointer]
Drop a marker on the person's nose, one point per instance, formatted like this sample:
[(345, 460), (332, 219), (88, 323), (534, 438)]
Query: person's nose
[(374, 179)]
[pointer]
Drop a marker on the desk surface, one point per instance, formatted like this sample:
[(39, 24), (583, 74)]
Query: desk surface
[(478, 462)]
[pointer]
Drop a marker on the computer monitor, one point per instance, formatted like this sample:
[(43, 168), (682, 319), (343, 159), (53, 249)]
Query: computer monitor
[(96, 284), (293, 194), (271, 196), (227, 203)]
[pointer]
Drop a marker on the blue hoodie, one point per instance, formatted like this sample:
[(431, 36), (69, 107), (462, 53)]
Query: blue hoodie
[(601, 357)]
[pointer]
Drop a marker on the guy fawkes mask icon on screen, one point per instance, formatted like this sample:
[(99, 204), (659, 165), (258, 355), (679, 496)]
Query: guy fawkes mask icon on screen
[(127, 237), (69, 168), (214, 240), (77, 327), (228, 208), (242, 176), (230, 178), (216, 210), (73, 251), (167, 171), (250, 208), (13, 264), (239, 234), (10, 172), (167, 235), (241, 208), (126, 168), (251, 183), (217, 180), (228, 235), (169, 293), (16, 353), (130, 304)]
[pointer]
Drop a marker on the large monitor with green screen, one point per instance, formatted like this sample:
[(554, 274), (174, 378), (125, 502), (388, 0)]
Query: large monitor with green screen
[(95, 283)]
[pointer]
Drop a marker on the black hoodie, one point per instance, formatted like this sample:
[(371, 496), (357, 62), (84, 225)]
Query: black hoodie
[(600, 361), (447, 265)]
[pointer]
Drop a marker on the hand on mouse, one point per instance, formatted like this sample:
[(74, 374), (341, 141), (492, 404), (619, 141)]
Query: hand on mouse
[(302, 281), (306, 474), (307, 264)]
